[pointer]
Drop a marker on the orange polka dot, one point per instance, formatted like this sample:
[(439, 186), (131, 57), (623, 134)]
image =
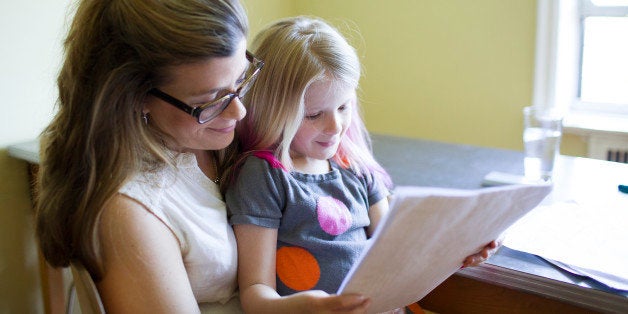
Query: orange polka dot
[(297, 268)]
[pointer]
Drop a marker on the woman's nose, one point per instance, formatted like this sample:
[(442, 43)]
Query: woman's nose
[(235, 110)]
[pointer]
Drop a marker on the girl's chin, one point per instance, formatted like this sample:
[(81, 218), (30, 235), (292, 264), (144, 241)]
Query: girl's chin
[(327, 155)]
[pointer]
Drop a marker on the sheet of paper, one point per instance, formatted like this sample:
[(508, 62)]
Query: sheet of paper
[(604, 278), (426, 236), (590, 239)]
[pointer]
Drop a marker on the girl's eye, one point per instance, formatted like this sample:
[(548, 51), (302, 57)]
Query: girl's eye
[(313, 116)]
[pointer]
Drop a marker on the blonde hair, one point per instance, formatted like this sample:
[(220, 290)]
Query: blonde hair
[(115, 52), (297, 52)]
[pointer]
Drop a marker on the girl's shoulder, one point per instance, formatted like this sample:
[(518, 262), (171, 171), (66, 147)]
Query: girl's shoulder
[(267, 158), (261, 161), (369, 179), (349, 172)]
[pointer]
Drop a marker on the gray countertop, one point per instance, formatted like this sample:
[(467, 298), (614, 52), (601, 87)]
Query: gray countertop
[(428, 163)]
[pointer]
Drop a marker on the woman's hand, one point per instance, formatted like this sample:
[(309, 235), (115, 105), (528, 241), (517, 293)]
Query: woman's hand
[(482, 256)]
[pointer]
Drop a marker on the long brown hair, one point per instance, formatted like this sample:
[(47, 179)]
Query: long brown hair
[(115, 51)]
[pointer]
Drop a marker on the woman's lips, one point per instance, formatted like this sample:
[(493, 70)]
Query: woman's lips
[(227, 129)]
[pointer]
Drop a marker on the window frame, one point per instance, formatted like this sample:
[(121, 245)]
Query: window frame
[(558, 57)]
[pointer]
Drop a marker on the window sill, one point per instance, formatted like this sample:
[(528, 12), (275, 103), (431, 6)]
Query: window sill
[(587, 123)]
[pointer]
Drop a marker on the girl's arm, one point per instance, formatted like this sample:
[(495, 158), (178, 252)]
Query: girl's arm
[(143, 266), (257, 277), (376, 212)]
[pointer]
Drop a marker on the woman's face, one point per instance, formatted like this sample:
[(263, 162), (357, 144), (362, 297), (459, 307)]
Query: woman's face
[(194, 84)]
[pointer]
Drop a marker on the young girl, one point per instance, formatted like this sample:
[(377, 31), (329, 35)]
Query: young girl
[(307, 192)]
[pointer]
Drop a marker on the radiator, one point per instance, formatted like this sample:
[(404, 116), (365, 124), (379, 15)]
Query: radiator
[(608, 147)]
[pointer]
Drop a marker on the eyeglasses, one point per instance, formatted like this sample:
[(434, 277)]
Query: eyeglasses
[(212, 109)]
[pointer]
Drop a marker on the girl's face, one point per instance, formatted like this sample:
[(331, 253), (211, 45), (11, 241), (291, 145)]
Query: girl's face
[(194, 84), (328, 106)]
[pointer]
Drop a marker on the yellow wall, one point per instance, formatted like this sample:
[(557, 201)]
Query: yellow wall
[(261, 12), (455, 71)]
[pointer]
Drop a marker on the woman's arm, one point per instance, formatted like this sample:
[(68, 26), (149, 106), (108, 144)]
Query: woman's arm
[(143, 266), (257, 248)]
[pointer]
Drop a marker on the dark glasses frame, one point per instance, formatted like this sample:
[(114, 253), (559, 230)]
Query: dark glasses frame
[(212, 109)]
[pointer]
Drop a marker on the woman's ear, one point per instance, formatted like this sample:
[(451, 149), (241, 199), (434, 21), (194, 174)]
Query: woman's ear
[(145, 105), (144, 113)]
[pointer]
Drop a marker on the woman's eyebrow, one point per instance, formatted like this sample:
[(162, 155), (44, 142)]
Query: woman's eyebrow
[(209, 92), (217, 90)]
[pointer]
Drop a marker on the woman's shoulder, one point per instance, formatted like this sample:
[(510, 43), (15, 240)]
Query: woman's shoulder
[(148, 186), (125, 220), (121, 208), (133, 241)]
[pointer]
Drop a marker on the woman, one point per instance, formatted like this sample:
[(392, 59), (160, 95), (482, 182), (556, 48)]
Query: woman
[(149, 94)]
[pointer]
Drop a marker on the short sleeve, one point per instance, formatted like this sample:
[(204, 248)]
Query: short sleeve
[(377, 190), (257, 196)]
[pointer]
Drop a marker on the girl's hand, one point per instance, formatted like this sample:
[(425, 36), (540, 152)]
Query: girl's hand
[(482, 256), (320, 302)]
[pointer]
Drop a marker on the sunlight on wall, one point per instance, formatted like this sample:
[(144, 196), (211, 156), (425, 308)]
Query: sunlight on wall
[(455, 71)]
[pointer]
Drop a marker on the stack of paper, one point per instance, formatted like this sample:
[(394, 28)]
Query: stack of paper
[(584, 240), (427, 235)]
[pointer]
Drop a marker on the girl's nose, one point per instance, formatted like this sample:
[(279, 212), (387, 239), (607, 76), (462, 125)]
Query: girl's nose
[(333, 124)]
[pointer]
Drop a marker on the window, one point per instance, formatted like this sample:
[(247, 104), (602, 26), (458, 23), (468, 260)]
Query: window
[(582, 56)]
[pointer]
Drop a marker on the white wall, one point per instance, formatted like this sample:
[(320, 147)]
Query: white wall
[(31, 32)]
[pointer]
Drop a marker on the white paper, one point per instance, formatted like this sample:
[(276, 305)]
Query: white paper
[(609, 280), (593, 241), (426, 236)]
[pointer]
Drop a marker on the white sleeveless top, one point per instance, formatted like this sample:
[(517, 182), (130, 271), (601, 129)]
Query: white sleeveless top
[(191, 206)]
